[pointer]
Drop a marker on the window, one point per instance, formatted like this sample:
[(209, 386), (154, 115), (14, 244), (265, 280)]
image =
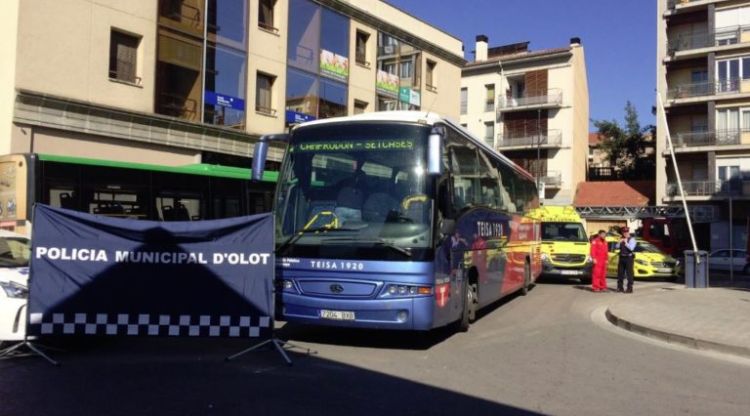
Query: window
[(464, 100), (318, 45), (263, 93), (489, 101), (489, 133), (430, 75), (361, 48), (406, 67), (465, 168), (123, 51), (265, 14), (728, 75), (359, 107), (386, 103)]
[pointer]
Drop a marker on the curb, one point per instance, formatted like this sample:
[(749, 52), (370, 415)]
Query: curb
[(672, 338)]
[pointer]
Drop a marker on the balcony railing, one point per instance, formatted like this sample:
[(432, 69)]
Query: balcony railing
[(703, 89), (548, 138), (672, 3), (710, 138), (553, 97), (734, 187), (722, 36), (552, 179)]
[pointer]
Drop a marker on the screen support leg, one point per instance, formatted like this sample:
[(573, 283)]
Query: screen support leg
[(35, 349), (277, 344)]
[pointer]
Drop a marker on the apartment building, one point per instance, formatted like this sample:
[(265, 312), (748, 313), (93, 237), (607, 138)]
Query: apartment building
[(177, 82), (532, 106), (703, 77)]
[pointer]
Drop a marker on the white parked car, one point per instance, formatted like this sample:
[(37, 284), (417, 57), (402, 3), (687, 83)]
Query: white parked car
[(720, 260), (14, 276)]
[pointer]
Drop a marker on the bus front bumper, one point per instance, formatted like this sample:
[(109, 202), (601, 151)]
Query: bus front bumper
[(414, 313)]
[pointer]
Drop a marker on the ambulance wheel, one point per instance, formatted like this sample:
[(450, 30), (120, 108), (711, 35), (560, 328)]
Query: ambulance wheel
[(526, 279)]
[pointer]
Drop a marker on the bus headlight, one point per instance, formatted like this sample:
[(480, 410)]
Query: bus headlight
[(406, 290), (286, 285)]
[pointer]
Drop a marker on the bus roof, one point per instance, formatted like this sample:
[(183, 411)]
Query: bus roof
[(202, 169), (421, 117)]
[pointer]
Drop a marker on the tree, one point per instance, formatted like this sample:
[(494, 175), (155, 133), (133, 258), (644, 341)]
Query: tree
[(626, 146)]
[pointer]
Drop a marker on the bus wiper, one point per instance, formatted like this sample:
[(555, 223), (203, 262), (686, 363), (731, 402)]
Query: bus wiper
[(378, 242), (293, 239)]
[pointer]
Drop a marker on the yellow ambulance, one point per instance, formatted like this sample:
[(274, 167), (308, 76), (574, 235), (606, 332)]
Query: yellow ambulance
[(565, 245)]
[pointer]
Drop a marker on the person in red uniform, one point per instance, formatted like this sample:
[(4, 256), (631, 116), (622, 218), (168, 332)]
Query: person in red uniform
[(599, 257)]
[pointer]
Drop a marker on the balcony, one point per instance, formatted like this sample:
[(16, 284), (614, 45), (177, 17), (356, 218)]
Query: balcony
[(550, 138), (723, 37), (737, 188), (552, 179), (701, 91), (685, 141), (675, 6), (552, 99)]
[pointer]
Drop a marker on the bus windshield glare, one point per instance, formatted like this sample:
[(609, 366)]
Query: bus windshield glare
[(356, 184)]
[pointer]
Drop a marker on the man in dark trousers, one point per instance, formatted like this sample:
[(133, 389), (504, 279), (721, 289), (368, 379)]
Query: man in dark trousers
[(625, 265)]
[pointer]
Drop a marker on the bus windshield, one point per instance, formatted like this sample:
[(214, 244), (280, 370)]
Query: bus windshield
[(356, 184)]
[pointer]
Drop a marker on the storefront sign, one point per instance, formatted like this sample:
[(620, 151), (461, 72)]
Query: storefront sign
[(408, 95), (333, 65), (222, 100), (294, 117), (387, 83)]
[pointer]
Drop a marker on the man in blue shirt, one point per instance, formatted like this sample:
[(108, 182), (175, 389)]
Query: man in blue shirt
[(625, 265)]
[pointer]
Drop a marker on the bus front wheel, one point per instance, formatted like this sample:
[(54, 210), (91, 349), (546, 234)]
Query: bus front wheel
[(526, 279), (469, 312)]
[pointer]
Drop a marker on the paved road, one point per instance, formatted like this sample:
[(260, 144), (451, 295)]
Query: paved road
[(548, 353)]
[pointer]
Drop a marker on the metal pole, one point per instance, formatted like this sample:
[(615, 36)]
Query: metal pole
[(538, 146), (677, 174), (731, 237), (204, 63)]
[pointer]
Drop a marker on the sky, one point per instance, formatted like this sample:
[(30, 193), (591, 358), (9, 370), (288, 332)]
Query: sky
[(619, 40)]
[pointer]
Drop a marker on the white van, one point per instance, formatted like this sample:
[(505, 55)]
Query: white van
[(14, 276)]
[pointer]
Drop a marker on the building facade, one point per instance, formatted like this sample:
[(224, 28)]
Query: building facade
[(175, 82), (532, 106), (703, 68)]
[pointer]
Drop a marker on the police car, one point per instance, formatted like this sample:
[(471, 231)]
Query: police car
[(650, 262), (14, 276)]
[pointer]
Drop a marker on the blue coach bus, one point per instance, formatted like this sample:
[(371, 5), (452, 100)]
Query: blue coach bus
[(398, 220)]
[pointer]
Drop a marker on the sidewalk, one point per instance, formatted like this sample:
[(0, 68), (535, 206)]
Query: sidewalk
[(715, 319)]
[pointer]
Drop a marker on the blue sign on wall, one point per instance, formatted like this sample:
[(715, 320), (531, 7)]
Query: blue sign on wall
[(294, 117), (224, 101)]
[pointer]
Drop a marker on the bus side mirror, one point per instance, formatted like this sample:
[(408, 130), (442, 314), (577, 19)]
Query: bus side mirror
[(435, 151), (260, 153)]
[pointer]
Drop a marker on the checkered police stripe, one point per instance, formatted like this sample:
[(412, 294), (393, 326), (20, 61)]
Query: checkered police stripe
[(147, 325)]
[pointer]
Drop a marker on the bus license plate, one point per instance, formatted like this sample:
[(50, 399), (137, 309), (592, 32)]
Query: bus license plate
[(570, 272), (337, 315), (664, 270)]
